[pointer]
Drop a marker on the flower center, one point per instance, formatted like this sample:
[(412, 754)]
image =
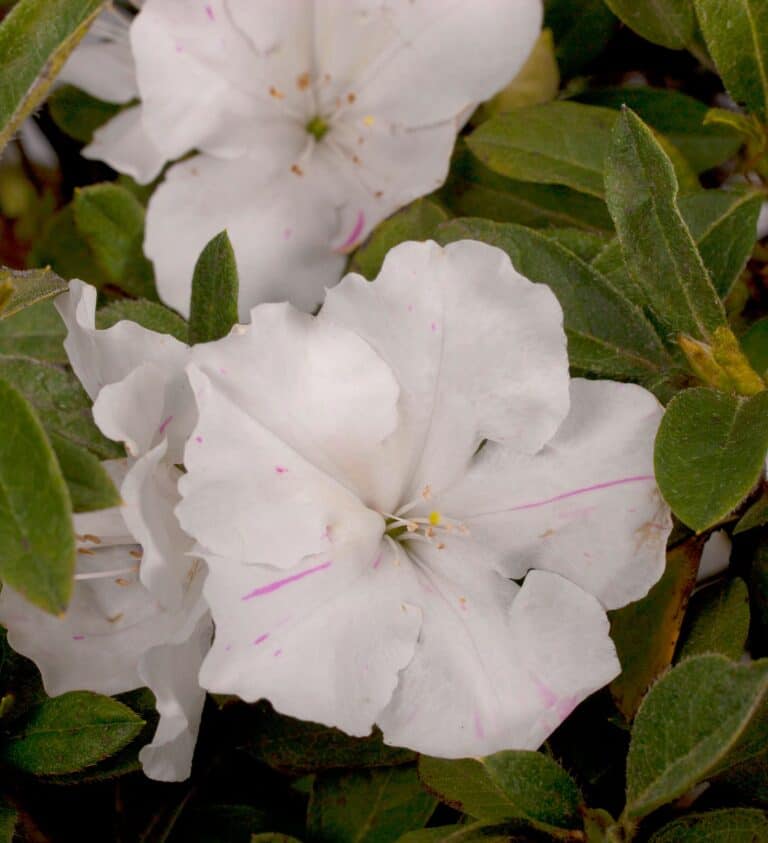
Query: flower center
[(432, 528), (317, 127)]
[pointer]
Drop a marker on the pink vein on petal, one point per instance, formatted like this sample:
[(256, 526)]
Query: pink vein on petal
[(355, 234), (607, 485), (274, 586), (262, 638), (165, 424)]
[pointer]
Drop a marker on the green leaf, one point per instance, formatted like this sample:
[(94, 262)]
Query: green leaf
[(607, 334), (273, 837), (755, 516), (37, 331), (35, 39), (755, 345), (367, 806), (703, 717), (28, 287), (658, 248), (733, 825), (506, 786), (582, 30), (69, 733), (670, 23), (148, 314), (723, 224), (473, 190), (60, 402), (79, 114), (111, 221), (482, 832), (9, 817), (646, 632), (678, 117), (530, 145), (297, 747), (90, 487), (710, 452), (417, 221), (736, 32), (215, 286), (717, 620), (37, 542)]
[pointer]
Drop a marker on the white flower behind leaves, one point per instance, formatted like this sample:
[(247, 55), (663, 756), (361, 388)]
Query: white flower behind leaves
[(137, 616), (312, 121), (411, 516)]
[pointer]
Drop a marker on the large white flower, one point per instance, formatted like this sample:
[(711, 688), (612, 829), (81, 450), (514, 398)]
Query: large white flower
[(312, 120), (137, 616), (411, 516)]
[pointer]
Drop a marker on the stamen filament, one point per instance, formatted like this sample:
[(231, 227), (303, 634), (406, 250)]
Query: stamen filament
[(100, 575)]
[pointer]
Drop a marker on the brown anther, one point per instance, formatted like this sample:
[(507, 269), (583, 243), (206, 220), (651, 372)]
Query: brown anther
[(411, 527), (355, 159), (89, 537), (137, 554), (430, 533), (297, 170), (273, 92), (302, 83), (379, 194), (115, 618), (440, 546), (86, 551), (351, 98), (121, 581)]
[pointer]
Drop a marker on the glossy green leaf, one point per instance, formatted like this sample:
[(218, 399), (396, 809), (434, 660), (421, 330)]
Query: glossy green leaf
[(148, 314), (90, 487), (703, 717), (658, 248), (37, 542), (736, 32), (530, 145), (733, 825), (607, 334), (60, 402), (582, 30), (472, 190), (215, 287), (111, 221), (675, 115), (646, 632), (54, 27), (367, 806), (417, 221), (717, 620), (506, 786), (78, 114), (671, 23), (28, 287), (37, 331), (70, 733), (710, 452)]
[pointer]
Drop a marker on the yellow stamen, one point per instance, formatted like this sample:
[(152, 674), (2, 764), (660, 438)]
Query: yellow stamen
[(434, 518)]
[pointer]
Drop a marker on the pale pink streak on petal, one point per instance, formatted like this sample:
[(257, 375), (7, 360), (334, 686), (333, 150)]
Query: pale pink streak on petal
[(163, 427), (268, 589), (356, 232), (566, 495)]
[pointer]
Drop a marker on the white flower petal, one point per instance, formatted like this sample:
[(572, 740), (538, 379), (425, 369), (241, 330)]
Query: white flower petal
[(110, 623), (478, 350), (715, 557), (586, 507), (323, 642), (150, 493), (497, 667), (101, 66), (282, 230), (417, 63), (105, 357), (171, 671), (124, 144), (248, 495)]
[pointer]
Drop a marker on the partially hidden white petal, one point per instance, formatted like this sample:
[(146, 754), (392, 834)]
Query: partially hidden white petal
[(500, 669), (103, 69), (479, 352), (716, 555), (124, 144), (324, 641), (586, 506), (171, 672)]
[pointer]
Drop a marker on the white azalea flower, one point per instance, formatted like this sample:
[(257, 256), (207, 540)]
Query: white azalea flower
[(137, 616), (312, 121), (369, 485)]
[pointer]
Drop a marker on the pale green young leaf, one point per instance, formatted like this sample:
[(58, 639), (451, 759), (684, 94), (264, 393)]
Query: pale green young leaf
[(70, 733), (79, 114), (90, 487), (37, 331), (28, 287), (705, 716), (506, 786), (658, 248), (736, 32), (367, 806), (215, 287), (53, 28), (149, 314), (37, 542), (710, 452), (728, 825)]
